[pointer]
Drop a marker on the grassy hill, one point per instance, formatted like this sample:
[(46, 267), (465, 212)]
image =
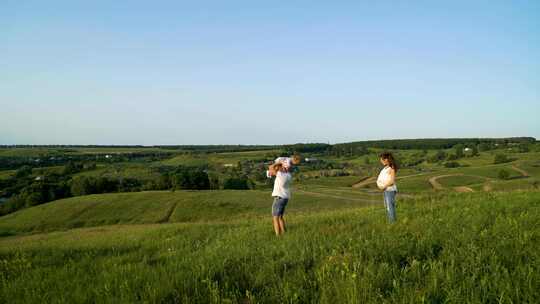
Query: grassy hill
[(162, 207), (219, 248)]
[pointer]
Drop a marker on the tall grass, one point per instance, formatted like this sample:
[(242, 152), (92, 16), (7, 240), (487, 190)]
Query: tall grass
[(163, 206), (451, 248)]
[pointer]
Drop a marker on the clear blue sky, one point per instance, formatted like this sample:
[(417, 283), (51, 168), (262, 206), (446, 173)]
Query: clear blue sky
[(266, 72)]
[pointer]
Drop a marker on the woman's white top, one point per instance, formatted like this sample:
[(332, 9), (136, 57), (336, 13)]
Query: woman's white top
[(282, 185), (384, 178)]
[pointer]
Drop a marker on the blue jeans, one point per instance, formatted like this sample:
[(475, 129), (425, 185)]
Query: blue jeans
[(278, 207), (390, 205)]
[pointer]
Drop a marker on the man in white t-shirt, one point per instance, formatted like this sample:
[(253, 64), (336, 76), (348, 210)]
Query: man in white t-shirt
[(281, 195)]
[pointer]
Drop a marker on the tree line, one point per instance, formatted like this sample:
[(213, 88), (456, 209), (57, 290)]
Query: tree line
[(436, 143), (25, 189), (55, 159)]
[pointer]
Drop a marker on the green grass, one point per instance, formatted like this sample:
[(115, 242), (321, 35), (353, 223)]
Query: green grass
[(414, 184), (102, 150), (26, 152), (462, 180), (516, 184), (124, 170), (488, 171), (5, 174), (532, 167), (35, 152), (218, 159), (459, 248), (340, 181), (186, 160), (160, 206)]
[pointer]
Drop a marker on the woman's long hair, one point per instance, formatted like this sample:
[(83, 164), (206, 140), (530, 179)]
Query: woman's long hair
[(390, 158)]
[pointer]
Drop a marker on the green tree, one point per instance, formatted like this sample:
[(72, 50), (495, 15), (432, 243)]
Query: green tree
[(452, 157), (237, 183), (523, 148), (81, 185), (37, 193), (458, 150), (72, 168), (214, 181), (24, 171), (500, 159), (484, 147), (90, 166), (200, 180), (191, 179), (503, 174), (164, 182), (451, 164), (13, 204), (474, 151), (438, 157)]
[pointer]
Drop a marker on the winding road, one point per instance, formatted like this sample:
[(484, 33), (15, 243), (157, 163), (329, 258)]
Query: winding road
[(438, 186), (521, 171)]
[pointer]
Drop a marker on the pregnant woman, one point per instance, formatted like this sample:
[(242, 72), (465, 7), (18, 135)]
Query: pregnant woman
[(387, 183)]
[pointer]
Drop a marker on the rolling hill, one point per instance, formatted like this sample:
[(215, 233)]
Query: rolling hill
[(219, 248)]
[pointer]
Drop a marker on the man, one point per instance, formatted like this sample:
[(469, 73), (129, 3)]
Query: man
[(281, 195)]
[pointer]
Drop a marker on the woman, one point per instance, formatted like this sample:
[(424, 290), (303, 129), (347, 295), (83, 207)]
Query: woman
[(387, 183), (281, 195)]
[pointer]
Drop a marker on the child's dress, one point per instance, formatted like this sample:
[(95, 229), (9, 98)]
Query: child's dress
[(286, 162)]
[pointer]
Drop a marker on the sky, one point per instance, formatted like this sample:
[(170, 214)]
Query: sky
[(266, 72)]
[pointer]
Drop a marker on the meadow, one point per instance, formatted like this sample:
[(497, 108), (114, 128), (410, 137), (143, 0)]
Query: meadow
[(217, 246), (451, 248)]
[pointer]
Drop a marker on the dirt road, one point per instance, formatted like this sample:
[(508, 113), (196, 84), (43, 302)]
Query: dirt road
[(521, 171)]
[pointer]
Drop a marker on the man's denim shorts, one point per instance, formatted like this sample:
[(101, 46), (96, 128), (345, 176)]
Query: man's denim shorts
[(278, 207)]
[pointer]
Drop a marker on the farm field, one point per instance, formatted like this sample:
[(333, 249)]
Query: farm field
[(40, 151), (221, 159), (123, 170)]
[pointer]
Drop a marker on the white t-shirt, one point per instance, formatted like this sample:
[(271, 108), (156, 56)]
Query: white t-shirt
[(282, 185), (384, 177)]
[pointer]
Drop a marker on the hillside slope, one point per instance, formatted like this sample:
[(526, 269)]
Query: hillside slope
[(161, 207), (456, 248)]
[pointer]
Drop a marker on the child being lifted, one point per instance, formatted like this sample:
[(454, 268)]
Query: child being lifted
[(284, 164)]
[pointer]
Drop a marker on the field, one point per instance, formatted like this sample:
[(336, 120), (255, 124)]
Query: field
[(157, 207), (217, 246), (459, 248), (139, 171), (6, 174), (220, 159), (36, 152)]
